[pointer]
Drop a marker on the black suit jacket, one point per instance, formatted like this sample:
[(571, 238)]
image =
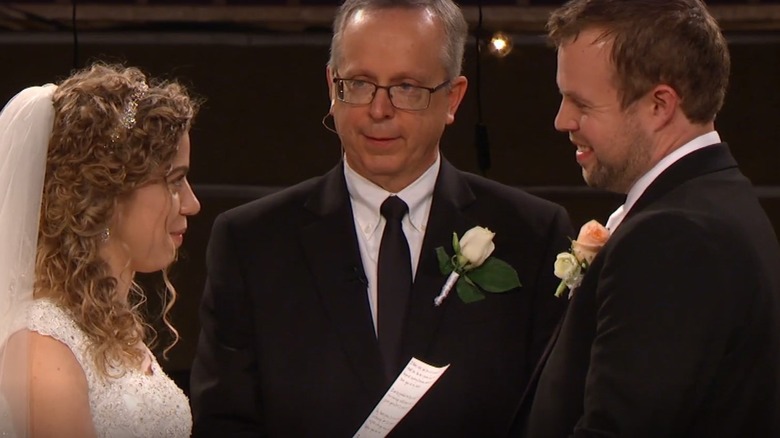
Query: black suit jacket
[(674, 330), (287, 346)]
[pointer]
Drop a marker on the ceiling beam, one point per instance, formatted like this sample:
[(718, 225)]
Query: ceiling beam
[(18, 15)]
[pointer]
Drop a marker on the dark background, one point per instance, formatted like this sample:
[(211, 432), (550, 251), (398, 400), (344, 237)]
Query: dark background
[(266, 94)]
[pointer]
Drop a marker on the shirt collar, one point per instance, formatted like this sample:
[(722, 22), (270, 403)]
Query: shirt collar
[(367, 197), (645, 180)]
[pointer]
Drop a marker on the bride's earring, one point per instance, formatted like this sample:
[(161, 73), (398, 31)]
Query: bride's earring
[(104, 235)]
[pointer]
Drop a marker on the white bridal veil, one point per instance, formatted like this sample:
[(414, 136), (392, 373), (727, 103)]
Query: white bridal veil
[(25, 128)]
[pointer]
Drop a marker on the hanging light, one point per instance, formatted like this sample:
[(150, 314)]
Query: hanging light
[(500, 44)]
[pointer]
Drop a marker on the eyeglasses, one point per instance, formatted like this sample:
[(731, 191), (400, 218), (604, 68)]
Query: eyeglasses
[(402, 96)]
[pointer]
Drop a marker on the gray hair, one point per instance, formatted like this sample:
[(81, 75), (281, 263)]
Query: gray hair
[(447, 12)]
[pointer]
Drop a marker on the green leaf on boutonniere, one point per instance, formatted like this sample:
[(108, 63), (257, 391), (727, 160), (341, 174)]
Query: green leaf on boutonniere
[(468, 291), (495, 276), (445, 265), (471, 269)]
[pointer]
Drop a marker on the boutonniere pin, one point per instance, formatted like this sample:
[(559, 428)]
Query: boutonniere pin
[(471, 270), (571, 266)]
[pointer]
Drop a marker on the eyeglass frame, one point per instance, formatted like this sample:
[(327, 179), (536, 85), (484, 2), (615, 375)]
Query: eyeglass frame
[(387, 88)]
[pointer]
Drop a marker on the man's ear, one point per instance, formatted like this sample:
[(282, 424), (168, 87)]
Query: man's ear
[(458, 88), (331, 91), (664, 102)]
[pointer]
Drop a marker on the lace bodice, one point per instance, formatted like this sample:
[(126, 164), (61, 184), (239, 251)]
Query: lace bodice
[(133, 405)]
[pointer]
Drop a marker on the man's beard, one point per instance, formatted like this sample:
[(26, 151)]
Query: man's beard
[(619, 177)]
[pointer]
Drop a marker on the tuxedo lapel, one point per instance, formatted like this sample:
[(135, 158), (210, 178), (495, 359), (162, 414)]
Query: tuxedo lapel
[(450, 196), (332, 253), (706, 160)]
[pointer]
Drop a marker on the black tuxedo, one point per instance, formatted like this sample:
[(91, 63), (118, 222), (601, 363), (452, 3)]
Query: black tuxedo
[(674, 329), (287, 346)]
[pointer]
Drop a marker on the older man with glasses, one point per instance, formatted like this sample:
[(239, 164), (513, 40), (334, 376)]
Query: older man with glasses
[(318, 297)]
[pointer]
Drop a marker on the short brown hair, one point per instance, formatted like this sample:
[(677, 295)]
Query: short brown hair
[(673, 42)]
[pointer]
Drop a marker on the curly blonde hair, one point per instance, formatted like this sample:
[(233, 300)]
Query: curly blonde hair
[(94, 160)]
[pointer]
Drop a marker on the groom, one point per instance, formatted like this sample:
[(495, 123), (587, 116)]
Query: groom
[(294, 312), (674, 329)]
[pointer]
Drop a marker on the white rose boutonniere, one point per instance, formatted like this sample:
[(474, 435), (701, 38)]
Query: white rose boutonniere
[(571, 266), (471, 270), (567, 266), (476, 246)]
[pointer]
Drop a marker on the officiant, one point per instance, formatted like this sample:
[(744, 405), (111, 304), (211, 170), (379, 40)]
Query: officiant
[(318, 296)]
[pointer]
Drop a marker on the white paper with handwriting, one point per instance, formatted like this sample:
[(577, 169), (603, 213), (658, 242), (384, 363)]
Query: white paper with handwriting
[(413, 382)]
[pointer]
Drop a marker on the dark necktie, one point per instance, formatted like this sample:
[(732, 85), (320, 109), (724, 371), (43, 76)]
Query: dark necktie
[(394, 284)]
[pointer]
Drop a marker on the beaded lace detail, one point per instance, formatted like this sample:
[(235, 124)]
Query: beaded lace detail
[(133, 405)]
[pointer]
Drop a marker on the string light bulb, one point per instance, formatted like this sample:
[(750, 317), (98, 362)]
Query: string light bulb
[(500, 44)]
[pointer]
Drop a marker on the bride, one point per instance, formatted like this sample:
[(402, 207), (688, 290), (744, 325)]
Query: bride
[(93, 188)]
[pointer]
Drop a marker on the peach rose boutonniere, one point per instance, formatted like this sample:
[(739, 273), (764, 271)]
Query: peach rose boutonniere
[(472, 270), (571, 266)]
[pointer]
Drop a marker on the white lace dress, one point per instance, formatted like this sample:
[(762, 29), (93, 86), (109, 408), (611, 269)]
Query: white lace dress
[(134, 405)]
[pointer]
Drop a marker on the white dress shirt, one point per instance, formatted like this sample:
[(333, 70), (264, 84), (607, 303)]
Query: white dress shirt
[(366, 198), (645, 180)]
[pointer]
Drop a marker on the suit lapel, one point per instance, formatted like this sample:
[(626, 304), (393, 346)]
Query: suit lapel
[(332, 253), (706, 160), (450, 196)]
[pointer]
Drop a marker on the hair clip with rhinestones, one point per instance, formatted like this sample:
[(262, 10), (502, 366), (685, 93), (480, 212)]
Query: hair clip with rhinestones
[(127, 120)]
